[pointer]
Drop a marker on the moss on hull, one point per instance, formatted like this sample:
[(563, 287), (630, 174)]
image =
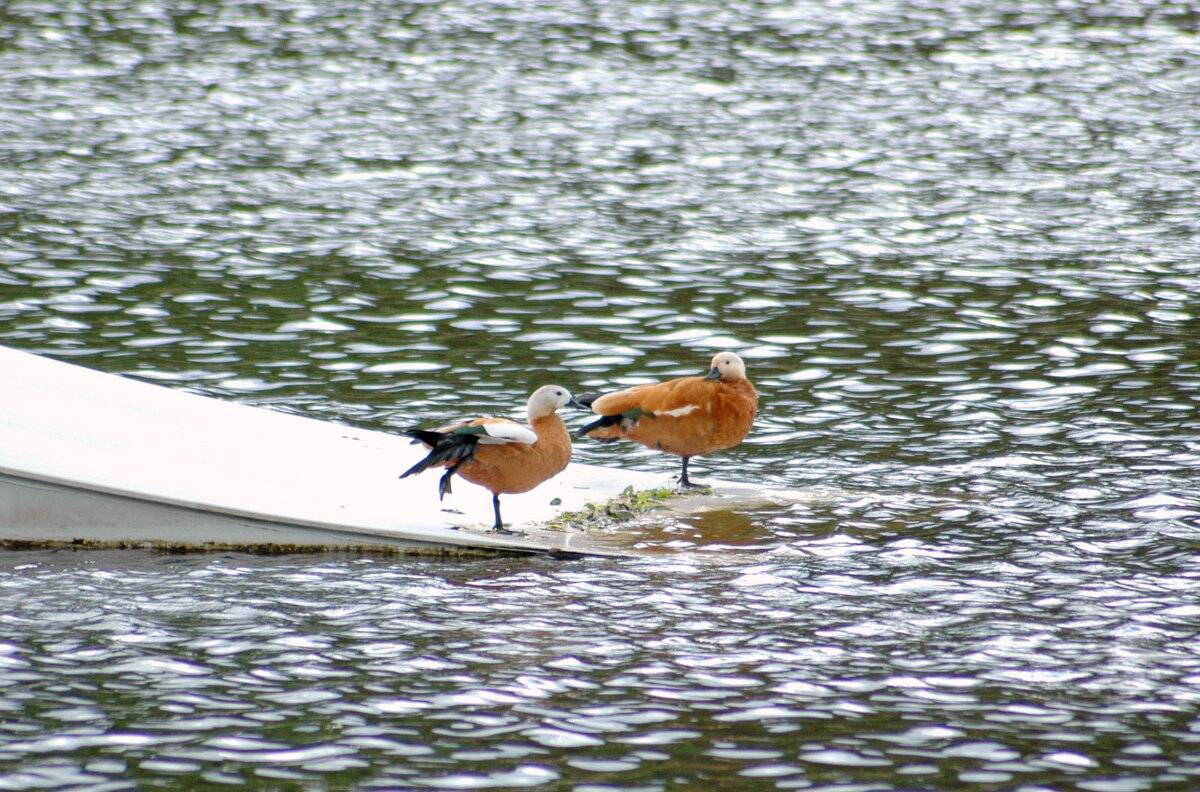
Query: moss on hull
[(623, 508), (627, 506), (261, 548)]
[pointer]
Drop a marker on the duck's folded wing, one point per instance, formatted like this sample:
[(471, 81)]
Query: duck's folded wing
[(675, 397), (498, 431)]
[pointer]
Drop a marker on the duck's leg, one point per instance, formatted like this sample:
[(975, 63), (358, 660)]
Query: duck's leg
[(684, 481), (499, 526), (444, 483)]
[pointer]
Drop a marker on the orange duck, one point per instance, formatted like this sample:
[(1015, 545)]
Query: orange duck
[(502, 455), (686, 416)]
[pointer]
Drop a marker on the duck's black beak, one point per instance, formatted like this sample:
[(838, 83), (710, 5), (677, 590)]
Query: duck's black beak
[(714, 373), (583, 401)]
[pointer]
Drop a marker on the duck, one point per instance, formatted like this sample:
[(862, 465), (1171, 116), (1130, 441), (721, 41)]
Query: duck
[(498, 454), (687, 416)]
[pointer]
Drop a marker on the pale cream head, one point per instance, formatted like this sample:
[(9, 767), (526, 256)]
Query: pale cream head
[(546, 400), (729, 365)]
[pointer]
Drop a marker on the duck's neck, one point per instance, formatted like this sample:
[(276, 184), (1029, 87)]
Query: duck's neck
[(547, 421)]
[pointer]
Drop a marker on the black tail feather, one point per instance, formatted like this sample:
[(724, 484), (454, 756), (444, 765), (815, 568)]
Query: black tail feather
[(426, 436), (599, 423), (444, 448), (586, 399)]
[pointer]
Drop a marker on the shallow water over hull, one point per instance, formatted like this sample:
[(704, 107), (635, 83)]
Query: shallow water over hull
[(956, 246)]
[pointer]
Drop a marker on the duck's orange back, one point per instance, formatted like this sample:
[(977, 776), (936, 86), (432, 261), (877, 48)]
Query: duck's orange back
[(685, 416)]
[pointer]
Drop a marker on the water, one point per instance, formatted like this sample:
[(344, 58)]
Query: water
[(957, 247), (973, 662)]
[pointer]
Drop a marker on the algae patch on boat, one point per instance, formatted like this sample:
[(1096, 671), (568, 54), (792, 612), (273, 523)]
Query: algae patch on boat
[(630, 505)]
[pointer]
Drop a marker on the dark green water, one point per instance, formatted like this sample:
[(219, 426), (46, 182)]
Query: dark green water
[(957, 247)]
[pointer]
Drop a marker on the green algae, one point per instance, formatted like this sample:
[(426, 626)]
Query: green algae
[(623, 508)]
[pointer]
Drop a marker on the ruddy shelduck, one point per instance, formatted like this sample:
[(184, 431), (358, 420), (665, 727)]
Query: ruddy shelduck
[(500, 455), (686, 416)]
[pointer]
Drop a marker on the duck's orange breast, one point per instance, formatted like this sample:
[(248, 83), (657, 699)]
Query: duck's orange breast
[(686, 416), (517, 467)]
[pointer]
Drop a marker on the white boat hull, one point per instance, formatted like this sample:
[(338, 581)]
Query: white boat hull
[(93, 458)]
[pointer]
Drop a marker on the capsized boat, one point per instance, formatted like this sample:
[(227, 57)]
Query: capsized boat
[(92, 458)]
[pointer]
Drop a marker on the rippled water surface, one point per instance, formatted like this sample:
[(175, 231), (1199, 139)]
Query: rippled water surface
[(957, 247)]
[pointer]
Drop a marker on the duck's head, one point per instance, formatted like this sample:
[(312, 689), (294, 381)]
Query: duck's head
[(727, 367), (548, 399)]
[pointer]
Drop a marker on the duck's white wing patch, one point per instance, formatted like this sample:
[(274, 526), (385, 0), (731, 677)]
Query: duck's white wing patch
[(679, 412), (507, 432)]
